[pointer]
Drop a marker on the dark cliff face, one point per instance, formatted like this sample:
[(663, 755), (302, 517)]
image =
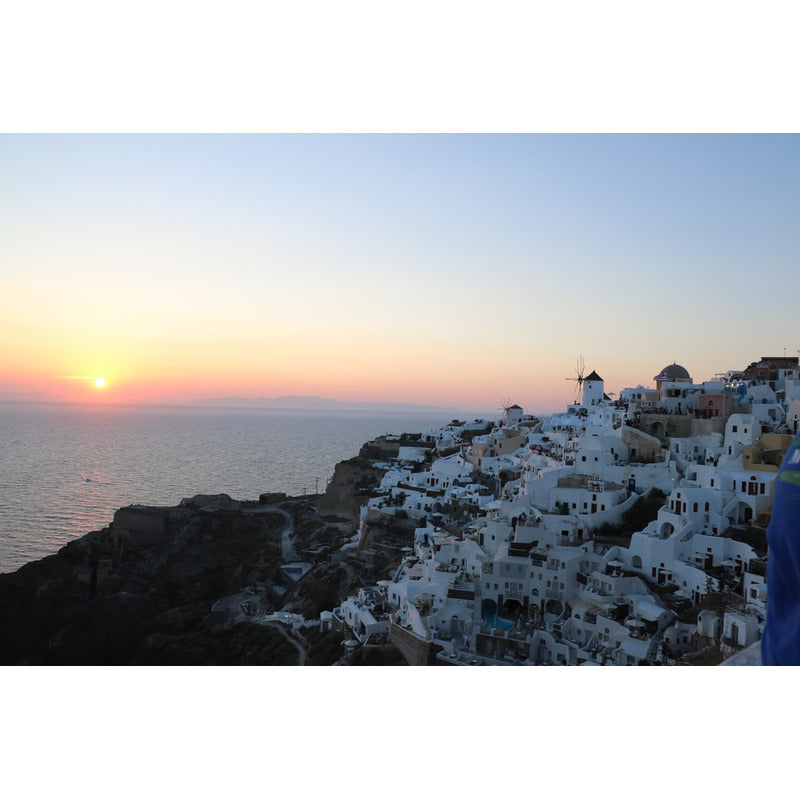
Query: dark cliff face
[(354, 479), (154, 572), (186, 584), (350, 487)]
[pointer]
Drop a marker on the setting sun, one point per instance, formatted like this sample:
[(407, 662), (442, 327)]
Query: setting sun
[(99, 382)]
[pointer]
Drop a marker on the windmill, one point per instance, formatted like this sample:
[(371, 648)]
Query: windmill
[(504, 406), (579, 369)]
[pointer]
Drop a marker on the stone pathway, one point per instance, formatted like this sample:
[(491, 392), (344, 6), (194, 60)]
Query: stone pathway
[(301, 650)]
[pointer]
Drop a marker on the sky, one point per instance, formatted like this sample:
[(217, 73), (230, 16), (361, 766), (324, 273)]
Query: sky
[(458, 270)]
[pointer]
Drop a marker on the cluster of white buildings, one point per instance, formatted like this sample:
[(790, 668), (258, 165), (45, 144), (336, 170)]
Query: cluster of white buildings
[(514, 561)]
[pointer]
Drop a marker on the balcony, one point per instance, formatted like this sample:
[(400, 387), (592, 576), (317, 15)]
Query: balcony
[(519, 549), (538, 557), (461, 592)]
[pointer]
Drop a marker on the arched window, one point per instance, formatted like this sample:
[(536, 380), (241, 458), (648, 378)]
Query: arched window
[(636, 562)]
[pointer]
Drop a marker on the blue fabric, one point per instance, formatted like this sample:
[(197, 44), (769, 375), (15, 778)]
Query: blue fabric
[(780, 643)]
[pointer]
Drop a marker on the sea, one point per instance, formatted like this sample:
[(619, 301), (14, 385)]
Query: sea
[(65, 470)]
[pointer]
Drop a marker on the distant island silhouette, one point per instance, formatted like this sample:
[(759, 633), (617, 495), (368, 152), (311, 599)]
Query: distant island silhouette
[(313, 403)]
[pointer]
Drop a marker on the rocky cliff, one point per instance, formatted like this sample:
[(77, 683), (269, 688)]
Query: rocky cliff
[(350, 487), (188, 584), (104, 597)]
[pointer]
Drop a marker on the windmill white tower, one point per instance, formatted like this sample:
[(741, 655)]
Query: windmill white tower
[(504, 408), (593, 389), (512, 414)]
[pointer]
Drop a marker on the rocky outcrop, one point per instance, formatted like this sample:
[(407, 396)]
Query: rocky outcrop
[(184, 584), (323, 588), (351, 485), (388, 447), (153, 571), (211, 501)]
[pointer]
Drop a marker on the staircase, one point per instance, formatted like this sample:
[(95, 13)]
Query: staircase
[(652, 649)]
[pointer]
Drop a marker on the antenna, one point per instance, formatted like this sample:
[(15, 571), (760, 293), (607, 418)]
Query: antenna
[(580, 366)]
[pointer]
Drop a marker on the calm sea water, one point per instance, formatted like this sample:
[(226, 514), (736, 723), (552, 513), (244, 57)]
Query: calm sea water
[(65, 470)]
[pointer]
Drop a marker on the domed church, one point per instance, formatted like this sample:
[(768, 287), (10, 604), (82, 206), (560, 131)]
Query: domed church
[(672, 373)]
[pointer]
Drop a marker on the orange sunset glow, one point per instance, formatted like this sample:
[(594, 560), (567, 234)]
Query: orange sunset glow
[(432, 270)]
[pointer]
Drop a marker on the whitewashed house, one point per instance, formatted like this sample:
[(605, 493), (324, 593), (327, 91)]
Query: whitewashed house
[(740, 628), (747, 494), (793, 416), (358, 613), (755, 593), (764, 406), (741, 430)]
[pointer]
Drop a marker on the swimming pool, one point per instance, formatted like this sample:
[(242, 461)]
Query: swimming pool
[(497, 622)]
